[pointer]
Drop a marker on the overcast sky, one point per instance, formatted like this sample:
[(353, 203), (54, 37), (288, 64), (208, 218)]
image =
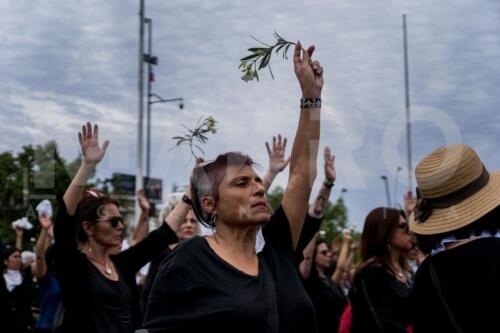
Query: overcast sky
[(67, 62)]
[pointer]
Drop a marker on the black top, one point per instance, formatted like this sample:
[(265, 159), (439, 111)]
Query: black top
[(195, 289), (469, 276), (77, 277), (150, 277), (328, 299), (111, 300), (15, 305), (379, 301), (309, 229)]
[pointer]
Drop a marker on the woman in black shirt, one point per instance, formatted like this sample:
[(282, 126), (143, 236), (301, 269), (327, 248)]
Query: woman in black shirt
[(98, 286), (219, 283), (16, 293), (382, 282)]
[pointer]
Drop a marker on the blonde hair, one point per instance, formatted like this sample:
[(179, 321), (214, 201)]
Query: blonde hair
[(172, 200)]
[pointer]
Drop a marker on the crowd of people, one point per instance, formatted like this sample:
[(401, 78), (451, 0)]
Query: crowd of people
[(430, 267)]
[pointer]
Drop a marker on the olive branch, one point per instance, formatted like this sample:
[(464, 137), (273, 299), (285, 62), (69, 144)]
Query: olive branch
[(260, 57), (197, 136)]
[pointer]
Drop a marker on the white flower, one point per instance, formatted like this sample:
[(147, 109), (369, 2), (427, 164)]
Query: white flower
[(248, 76)]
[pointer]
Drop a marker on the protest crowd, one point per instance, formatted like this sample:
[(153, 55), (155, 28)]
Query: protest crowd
[(222, 260)]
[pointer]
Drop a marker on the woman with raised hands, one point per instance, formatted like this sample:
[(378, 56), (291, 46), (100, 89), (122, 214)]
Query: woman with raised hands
[(98, 288), (219, 282)]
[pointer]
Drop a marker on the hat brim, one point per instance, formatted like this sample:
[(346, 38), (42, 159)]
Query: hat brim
[(462, 214)]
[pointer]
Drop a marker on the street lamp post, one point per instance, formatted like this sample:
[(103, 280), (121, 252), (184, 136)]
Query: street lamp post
[(387, 193), (158, 99), (139, 161), (152, 61)]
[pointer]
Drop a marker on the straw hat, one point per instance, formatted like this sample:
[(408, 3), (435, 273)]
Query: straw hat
[(455, 189)]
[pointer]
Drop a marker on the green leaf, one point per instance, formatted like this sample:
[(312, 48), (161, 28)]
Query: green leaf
[(257, 49), (250, 57)]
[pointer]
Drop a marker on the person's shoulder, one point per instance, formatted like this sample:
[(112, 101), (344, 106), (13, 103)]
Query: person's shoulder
[(370, 268), (189, 246)]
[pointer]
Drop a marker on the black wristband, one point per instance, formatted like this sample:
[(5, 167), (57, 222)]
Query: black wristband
[(187, 200), (328, 185), (310, 103)]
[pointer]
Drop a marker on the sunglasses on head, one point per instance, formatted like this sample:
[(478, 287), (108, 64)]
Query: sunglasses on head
[(114, 220)]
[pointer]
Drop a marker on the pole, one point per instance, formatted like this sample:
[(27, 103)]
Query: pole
[(138, 176), (148, 126), (407, 101), (394, 193), (387, 193)]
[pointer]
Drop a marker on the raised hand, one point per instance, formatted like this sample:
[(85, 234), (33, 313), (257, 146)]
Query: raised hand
[(277, 161), (45, 221), (89, 142), (309, 73), (410, 202), (330, 173), (143, 201), (19, 232)]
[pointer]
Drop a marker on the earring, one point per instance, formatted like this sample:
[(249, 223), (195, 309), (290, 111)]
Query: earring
[(213, 220)]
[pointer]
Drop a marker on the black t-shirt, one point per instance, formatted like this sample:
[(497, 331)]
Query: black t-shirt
[(195, 289), (112, 302), (379, 301), (469, 276), (328, 299), (150, 277)]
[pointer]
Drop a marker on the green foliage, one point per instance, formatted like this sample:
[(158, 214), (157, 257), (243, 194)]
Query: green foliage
[(260, 57), (34, 174), (334, 222), (197, 136), (274, 198)]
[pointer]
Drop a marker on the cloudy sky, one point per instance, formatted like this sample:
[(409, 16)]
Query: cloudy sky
[(67, 62)]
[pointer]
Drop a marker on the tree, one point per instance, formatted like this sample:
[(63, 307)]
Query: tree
[(334, 222), (36, 173), (274, 198)]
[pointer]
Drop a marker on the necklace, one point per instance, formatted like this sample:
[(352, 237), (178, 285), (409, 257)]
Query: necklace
[(107, 269)]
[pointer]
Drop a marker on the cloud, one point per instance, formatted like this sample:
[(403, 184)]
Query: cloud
[(76, 60)]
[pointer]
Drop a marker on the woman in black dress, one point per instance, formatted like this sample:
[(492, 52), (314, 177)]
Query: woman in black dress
[(98, 286), (219, 283), (383, 280)]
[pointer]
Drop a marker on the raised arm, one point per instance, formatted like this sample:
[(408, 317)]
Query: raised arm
[(19, 238), (142, 226), (43, 242), (92, 155), (342, 263), (305, 265), (277, 160), (305, 145), (317, 209)]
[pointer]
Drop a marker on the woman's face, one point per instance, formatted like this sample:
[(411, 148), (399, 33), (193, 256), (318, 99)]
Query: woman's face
[(108, 229), (189, 228), (323, 255), (401, 238), (242, 197), (13, 262)]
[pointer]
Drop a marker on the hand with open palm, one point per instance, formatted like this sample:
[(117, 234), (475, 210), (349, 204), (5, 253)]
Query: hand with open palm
[(89, 142)]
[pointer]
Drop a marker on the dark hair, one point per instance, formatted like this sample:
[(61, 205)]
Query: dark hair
[(207, 178), (6, 253), (379, 227), (90, 209), (489, 222)]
